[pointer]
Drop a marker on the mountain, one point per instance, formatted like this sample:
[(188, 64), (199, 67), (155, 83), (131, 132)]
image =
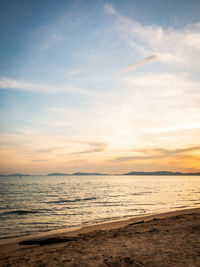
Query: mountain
[(158, 173), (87, 173), (18, 174), (76, 173), (57, 174), (161, 173)]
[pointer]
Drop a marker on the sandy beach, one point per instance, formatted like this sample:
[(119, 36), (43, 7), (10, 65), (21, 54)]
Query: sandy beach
[(166, 239)]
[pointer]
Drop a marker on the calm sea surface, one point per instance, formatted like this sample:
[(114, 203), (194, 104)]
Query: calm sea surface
[(39, 203)]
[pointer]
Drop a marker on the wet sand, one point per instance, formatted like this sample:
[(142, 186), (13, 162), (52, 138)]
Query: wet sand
[(167, 239)]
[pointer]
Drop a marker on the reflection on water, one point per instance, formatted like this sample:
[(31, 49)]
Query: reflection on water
[(39, 203)]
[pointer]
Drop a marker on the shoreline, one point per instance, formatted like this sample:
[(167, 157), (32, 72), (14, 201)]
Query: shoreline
[(162, 239), (115, 223), (102, 226)]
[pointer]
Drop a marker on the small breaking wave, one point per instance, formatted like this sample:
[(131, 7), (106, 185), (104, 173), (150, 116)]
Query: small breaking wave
[(18, 212), (60, 201), (141, 193), (179, 207)]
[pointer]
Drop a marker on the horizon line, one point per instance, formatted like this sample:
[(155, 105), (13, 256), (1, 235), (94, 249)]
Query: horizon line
[(163, 172)]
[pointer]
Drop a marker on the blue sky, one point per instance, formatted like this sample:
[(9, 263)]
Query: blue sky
[(106, 86)]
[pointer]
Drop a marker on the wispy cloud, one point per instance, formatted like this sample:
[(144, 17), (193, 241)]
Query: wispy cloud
[(164, 80), (139, 63), (93, 147), (49, 35), (48, 150), (175, 46), (40, 160), (54, 123), (155, 153), (109, 9), (6, 83), (52, 39), (67, 144), (165, 152), (72, 73)]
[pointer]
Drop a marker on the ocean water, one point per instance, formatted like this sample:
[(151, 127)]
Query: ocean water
[(39, 203)]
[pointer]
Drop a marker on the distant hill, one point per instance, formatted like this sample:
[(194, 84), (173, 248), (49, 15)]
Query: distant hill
[(162, 173), (57, 174), (75, 173), (18, 174), (15, 174), (87, 173)]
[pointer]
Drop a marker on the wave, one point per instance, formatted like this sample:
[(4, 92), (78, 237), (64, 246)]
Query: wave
[(109, 205), (145, 204), (136, 210), (70, 200), (19, 212), (141, 193), (179, 207)]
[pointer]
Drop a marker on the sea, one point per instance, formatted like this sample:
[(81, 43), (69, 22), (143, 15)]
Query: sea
[(33, 204)]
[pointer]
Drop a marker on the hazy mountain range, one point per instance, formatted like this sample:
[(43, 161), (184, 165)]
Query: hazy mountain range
[(161, 173)]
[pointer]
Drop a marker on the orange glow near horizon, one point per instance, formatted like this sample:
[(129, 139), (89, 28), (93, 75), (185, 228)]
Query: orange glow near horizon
[(111, 162), (99, 90)]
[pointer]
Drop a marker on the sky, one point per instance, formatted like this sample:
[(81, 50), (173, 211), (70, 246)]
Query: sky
[(99, 86)]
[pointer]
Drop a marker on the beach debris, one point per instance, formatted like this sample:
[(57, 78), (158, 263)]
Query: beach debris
[(122, 261), (47, 241), (153, 230), (136, 223)]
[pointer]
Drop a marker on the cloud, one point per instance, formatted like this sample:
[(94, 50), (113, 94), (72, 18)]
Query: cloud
[(181, 150), (164, 80), (139, 63), (48, 35), (23, 85), (6, 83), (109, 9), (155, 153), (165, 152), (175, 46), (40, 160), (72, 73), (51, 40), (73, 145), (48, 150), (51, 123), (94, 147), (128, 158)]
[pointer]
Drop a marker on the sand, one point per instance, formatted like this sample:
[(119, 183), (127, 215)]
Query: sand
[(167, 239)]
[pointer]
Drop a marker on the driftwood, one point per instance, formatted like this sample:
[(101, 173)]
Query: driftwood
[(47, 241), (136, 223)]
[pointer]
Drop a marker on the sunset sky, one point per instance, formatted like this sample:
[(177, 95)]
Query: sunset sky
[(99, 86)]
